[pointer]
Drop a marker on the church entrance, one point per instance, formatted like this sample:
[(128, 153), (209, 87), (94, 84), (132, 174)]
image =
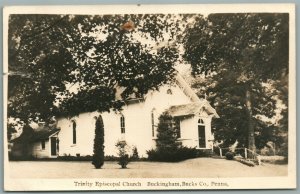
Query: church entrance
[(53, 146), (201, 134)]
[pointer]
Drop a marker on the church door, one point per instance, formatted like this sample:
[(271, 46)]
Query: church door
[(53, 146), (201, 134)]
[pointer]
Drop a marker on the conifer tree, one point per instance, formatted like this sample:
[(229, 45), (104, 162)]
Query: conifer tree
[(98, 157), (166, 135)]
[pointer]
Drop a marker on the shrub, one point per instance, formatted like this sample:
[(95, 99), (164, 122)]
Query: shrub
[(73, 158), (172, 155), (166, 134), (229, 155), (135, 154), (122, 153), (98, 156)]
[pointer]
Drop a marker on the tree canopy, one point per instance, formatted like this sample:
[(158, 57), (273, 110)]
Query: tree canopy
[(93, 54), (245, 54)]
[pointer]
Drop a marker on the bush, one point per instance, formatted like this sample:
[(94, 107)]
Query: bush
[(73, 158), (229, 155), (172, 155), (135, 154), (122, 153)]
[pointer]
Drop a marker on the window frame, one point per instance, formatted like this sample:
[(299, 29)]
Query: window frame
[(74, 134), (122, 124), (152, 123), (202, 124)]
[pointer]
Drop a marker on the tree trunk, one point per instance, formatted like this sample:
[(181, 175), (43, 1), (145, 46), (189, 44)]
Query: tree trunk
[(251, 138)]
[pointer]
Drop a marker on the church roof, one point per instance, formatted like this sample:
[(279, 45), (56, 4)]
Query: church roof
[(35, 135), (192, 109), (179, 80), (187, 90)]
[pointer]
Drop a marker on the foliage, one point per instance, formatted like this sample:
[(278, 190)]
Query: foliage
[(173, 155), (166, 135), (58, 63), (229, 155), (253, 44), (244, 57), (11, 128), (168, 148), (135, 154), (123, 153), (98, 156), (39, 65)]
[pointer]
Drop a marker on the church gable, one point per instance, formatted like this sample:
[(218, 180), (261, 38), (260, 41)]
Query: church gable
[(192, 109), (179, 89)]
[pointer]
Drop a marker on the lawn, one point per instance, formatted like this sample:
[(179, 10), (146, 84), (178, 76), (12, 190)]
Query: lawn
[(194, 168)]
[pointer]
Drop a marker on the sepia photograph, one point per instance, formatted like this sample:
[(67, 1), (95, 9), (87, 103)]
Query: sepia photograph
[(149, 97)]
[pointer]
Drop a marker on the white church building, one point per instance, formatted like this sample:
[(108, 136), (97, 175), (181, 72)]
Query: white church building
[(136, 123)]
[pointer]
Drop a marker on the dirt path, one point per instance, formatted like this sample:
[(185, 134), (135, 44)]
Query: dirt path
[(194, 168)]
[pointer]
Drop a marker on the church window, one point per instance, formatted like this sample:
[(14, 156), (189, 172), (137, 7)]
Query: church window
[(74, 131), (122, 122), (152, 122), (200, 122), (201, 134)]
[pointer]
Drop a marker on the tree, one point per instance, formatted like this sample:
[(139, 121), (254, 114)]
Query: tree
[(11, 128), (135, 154), (39, 65), (228, 98), (242, 51), (98, 156), (58, 63), (168, 147), (166, 135), (123, 153)]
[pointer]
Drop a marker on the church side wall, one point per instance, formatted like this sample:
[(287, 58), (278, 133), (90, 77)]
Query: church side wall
[(138, 124), (85, 132), (189, 132)]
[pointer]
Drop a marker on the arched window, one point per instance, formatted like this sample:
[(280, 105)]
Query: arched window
[(74, 131), (200, 122), (122, 122), (152, 122)]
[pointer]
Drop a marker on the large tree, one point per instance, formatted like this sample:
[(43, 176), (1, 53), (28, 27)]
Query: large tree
[(67, 64), (244, 51)]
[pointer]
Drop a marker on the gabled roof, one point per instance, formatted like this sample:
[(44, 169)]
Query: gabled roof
[(35, 136), (187, 90), (179, 80), (192, 109)]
